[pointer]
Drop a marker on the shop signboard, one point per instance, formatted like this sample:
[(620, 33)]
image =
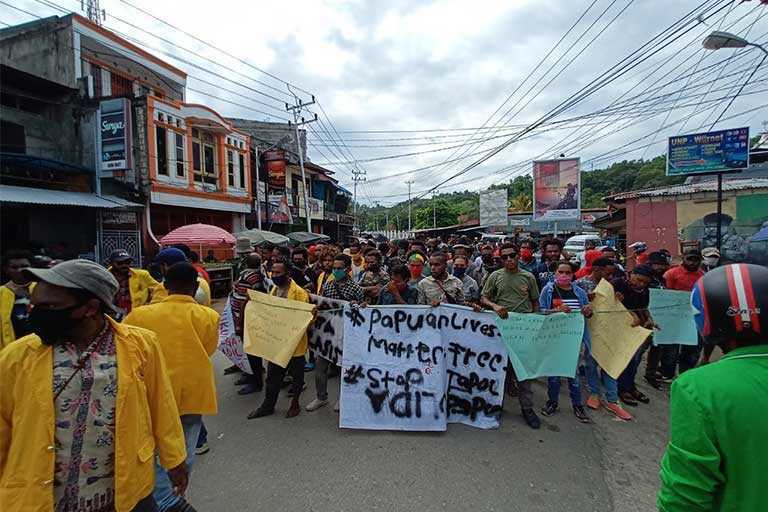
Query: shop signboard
[(708, 152), (115, 134)]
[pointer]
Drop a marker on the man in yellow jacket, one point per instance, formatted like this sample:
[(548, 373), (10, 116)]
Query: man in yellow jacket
[(85, 403), (15, 298), (169, 257), (188, 334), (286, 288), (135, 285)]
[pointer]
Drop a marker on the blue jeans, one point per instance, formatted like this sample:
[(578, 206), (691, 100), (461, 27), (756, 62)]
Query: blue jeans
[(163, 493), (627, 378), (574, 389), (594, 378), (203, 437)]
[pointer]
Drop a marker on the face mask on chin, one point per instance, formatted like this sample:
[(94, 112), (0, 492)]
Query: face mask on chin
[(53, 325)]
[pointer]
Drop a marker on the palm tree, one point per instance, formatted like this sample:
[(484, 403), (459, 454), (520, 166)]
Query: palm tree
[(521, 203)]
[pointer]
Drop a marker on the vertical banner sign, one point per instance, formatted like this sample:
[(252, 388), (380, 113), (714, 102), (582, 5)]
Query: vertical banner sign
[(493, 208), (115, 134), (557, 189), (419, 368), (701, 153), (230, 344), (276, 168), (326, 333)]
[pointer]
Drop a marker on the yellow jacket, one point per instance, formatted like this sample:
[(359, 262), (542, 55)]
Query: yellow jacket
[(322, 279), (7, 299), (142, 286), (203, 295), (188, 334), (296, 292), (146, 421)]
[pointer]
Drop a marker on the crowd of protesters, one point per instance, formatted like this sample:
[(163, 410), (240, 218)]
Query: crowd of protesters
[(120, 357)]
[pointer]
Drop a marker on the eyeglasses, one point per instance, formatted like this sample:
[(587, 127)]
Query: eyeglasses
[(508, 256)]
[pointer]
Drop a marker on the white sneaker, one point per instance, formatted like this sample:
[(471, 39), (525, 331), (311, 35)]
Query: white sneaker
[(316, 404), (336, 406)]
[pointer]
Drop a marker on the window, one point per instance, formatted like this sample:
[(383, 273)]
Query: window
[(241, 161), (161, 142), (204, 158), (96, 74), (14, 138), (179, 155), (121, 86), (230, 168)]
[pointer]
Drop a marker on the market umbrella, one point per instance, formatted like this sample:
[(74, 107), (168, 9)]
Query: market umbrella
[(260, 237), (199, 235), (304, 237), (761, 236)]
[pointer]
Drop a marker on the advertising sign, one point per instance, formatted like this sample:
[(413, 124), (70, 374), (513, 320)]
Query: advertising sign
[(556, 189), (115, 134), (493, 207), (701, 153), (276, 168), (279, 210)]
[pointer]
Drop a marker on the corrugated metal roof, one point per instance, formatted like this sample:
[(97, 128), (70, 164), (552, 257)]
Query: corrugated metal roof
[(691, 188), (27, 195)]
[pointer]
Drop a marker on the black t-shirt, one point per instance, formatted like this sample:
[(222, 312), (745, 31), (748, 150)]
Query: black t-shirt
[(301, 277), (632, 298), (567, 297)]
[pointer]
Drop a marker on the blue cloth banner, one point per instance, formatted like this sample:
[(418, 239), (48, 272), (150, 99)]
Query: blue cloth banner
[(671, 310), (542, 345)]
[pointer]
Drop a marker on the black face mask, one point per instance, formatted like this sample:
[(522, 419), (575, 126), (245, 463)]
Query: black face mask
[(280, 280), (487, 258), (52, 325), (375, 267)]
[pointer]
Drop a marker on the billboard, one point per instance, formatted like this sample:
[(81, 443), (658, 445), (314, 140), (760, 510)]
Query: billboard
[(702, 153), (493, 207), (557, 189), (279, 212), (115, 134), (276, 168)]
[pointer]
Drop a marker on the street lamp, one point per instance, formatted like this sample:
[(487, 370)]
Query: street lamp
[(718, 40)]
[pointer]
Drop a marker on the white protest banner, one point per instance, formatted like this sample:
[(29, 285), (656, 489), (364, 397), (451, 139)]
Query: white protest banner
[(230, 344), (419, 368), (326, 332)]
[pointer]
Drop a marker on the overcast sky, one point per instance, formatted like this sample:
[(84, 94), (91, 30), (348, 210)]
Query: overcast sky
[(418, 65)]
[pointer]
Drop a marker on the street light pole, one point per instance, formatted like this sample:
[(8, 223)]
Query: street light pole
[(718, 40)]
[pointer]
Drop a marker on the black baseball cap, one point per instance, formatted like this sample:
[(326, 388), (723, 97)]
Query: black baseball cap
[(120, 255)]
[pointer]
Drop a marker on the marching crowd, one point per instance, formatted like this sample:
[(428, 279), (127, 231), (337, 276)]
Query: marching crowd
[(106, 372)]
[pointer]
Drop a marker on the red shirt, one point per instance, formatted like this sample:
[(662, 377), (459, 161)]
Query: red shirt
[(678, 278)]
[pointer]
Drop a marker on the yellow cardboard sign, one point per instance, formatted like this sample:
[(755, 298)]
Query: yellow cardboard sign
[(274, 326), (614, 339)]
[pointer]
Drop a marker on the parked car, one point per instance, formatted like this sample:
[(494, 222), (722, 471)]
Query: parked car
[(574, 246)]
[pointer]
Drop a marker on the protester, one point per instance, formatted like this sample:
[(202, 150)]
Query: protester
[(416, 268), (243, 248), (398, 289), (589, 257), (601, 268), (355, 252), (194, 259), (15, 298), (101, 437), (710, 259), (188, 335), (562, 296), (640, 254), (136, 286), (552, 251), (341, 287), (511, 289), (324, 270), (469, 286), (589, 245), (681, 277), (527, 260), (373, 278), (251, 278), (170, 256), (633, 293), (659, 264), (610, 253), (300, 272), (715, 459), (286, 288), (440, 286)]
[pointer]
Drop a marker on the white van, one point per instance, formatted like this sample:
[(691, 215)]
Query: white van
[(575, 246)]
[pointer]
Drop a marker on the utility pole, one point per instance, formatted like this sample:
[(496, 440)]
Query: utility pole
[(409, 183), (92, 11), (386, 221), (434, 210), (300, 121), (357, 176)]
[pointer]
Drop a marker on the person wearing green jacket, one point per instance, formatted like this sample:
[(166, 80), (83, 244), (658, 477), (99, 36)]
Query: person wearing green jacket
[(717, 456)]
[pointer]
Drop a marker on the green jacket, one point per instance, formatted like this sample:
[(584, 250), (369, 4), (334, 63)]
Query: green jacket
[(717, 457)]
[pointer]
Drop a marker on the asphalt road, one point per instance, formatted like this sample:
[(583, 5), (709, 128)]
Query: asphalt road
[(308, 463)]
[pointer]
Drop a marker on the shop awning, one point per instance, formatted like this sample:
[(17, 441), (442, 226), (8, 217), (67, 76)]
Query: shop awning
[(28, 195)]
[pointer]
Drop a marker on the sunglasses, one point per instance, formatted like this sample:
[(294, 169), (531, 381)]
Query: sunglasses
[(508, 256)]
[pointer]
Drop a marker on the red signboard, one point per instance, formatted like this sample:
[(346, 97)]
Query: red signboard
[(276, 168)]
